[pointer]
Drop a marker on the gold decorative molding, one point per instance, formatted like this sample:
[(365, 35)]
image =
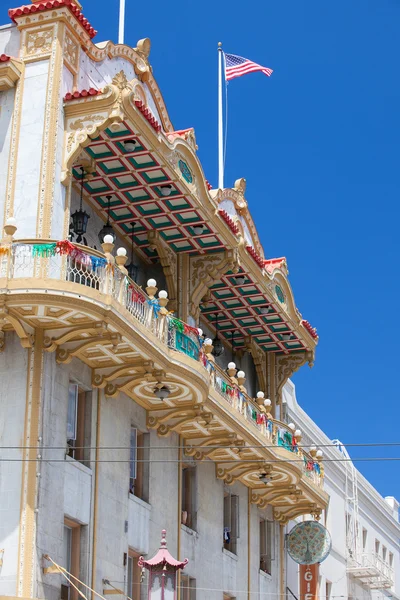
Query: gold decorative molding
[(234, 473), (10, 72), (38, 42), (27, 525), (174, 419), (201, 450), (207, 270), (71, 52), (51, 344), (65, 355), (14, 143), (259, 360), (139, 365), (288, 364), (168, 260), (284, 514), (237, 197), (275, 493), (48, 165), (25, 337), (138, 57)]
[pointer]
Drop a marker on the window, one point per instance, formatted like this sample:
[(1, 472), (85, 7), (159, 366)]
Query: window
[(139, 466), (328, 590), (71, 558), (231, 522), (391, 559), (189, 496), (134, 576), (78, 424), (364, 539), (188, 588), (384, 554), (377, 547), (266, 545), (347, 523)]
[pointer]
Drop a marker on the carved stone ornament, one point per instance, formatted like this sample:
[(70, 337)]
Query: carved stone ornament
[(38, 41), (205, 271), (71, 51), (286, 365), (168, 260), (259, 360)]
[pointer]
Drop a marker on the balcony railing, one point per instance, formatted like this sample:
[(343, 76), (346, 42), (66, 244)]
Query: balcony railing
[(73, 263), (275, 432), (372, 570)]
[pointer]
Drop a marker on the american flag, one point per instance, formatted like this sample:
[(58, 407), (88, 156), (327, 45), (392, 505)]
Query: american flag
[(236, 66)]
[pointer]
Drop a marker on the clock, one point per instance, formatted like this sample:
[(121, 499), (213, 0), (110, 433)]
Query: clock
[(309, 543)]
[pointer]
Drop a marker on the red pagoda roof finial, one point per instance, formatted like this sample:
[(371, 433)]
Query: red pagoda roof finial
[(162, 557)]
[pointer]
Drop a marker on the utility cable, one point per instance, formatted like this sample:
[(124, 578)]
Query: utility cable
[(216, 446), (220, 461)]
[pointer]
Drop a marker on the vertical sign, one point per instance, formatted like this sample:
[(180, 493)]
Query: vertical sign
[(309, 582)]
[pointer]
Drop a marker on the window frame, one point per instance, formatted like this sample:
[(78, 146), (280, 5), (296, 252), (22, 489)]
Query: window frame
[(328, 589), (139, 465), (231, 521), (266, 544), (189, 496), (74, 557), (78, 447), (134, 576), (187, 587), (364, 539)]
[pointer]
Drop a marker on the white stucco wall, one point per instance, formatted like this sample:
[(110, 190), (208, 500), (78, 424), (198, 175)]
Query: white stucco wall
[(6, 113), (13, 377), (99, 74), (66, 489), (9, 40), (30, 148)]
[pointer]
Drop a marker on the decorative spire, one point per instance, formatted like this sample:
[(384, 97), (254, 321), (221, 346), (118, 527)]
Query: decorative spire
[(163, 539)]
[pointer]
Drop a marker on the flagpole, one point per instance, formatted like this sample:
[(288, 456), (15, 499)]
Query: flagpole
[(220, 121), (121, 29)]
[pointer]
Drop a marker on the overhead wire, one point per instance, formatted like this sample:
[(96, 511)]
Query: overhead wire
[(221, 461), (232, 446)]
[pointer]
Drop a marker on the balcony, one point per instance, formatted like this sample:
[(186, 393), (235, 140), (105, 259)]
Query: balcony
[(89, 309), (372, 571)]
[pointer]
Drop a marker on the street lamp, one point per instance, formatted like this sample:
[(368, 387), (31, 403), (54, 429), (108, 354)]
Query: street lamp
[(162, 572)]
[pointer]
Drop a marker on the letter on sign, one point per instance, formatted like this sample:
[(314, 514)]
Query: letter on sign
[(309, 582)]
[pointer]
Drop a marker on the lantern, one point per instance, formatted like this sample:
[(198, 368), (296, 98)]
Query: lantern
[(162, 572)]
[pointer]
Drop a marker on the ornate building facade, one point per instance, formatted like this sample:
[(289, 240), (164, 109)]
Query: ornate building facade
[(145, 338)]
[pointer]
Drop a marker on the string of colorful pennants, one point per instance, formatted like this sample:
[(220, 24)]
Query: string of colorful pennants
[(66, 248)]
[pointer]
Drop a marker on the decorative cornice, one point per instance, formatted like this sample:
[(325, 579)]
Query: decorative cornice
[(311, 330), (146, 112), (255, 256), (23, 11), (10, 72), (229, 221), (271, 264), (83, 94)]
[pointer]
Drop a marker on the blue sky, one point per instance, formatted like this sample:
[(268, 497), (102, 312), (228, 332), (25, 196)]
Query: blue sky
[(318, 145)]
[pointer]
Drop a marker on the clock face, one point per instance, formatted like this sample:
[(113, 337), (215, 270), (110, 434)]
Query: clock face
[(309, 543)]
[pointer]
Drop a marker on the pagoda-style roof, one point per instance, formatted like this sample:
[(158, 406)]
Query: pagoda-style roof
[(163, 557), (157, 183), (38, 6)]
